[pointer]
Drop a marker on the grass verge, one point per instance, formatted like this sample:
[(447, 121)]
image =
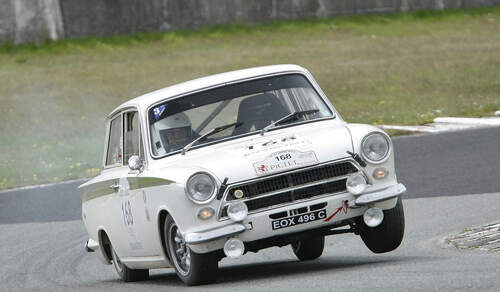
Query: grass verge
[(398, 69)]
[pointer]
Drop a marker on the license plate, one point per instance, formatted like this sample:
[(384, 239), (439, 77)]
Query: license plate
[(299, 219)]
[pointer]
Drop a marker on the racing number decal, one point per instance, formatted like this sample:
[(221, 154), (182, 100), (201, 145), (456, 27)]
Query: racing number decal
[(284, 157), (128, 219)]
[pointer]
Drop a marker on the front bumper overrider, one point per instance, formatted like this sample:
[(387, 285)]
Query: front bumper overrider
[(378, 196)]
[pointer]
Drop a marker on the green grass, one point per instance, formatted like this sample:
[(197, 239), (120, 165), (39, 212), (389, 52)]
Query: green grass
[(396, 69)]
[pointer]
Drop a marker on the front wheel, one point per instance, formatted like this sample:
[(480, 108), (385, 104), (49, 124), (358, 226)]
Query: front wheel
[(192, 268), (125, 273), (309, 249), (389, 234)]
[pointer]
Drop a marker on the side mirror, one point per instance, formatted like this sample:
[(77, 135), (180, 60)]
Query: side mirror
[(135, 163)]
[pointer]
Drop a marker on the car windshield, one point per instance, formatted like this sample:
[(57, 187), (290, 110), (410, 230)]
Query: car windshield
[(247, 107)]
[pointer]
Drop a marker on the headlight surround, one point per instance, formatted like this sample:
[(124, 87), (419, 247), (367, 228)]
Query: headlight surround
[(201, 188), (375, 147)]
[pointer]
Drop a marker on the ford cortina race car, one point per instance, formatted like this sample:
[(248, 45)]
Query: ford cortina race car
[(234, 163)]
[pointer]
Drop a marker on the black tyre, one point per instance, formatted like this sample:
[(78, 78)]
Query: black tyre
[(125, 273), (192, 268), (309, 249), (389, 234)]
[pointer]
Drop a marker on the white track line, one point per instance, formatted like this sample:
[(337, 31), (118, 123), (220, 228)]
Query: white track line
[(82, 180), (446, 124), (469, 121)]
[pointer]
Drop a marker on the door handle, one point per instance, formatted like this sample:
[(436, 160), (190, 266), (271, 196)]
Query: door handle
[(114, 187)]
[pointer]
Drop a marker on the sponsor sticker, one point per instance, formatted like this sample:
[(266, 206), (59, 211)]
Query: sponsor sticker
[(283, 160), (157, 111)]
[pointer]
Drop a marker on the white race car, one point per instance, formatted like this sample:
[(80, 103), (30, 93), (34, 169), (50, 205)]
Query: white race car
[(232, 163)]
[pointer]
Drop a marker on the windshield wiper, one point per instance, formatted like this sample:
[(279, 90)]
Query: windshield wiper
[(210, 133), (287, 118)]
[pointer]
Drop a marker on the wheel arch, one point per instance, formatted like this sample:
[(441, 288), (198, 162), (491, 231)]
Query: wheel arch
[(162, 215), (105, 245)]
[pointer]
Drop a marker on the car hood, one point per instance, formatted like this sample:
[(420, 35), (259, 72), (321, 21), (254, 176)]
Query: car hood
[(276, 151)]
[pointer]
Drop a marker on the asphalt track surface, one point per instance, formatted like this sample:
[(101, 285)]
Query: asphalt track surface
[(453, 182)]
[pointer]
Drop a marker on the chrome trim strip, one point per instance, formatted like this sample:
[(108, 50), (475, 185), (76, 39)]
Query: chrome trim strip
[(224, 200), (385, 194), (200, 237), (101, 189)]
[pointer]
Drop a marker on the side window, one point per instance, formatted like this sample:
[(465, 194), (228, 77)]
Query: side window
[(132, 134), (114, 155)]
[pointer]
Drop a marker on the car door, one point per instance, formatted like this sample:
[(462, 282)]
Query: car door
[(134, 203), (113, 186)]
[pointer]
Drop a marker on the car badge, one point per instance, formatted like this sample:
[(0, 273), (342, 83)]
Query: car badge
[(238, 194)]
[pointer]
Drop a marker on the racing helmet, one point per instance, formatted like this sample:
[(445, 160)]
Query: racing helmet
[(171, 133)]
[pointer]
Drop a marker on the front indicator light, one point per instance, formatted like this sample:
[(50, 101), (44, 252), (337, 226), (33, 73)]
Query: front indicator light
[(380, 173), (206, 213)]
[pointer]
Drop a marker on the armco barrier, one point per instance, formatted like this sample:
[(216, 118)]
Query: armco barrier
[(24, 21)]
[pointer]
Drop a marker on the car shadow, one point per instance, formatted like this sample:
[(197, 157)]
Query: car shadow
[(288, 268)]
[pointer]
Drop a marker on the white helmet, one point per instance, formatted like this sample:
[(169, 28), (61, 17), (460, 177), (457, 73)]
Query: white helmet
[(171, 133)]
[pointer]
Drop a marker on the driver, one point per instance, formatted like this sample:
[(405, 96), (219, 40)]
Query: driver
[(171, 133)]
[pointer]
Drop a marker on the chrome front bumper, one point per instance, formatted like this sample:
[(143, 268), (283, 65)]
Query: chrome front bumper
[(377, 196), (200, 237), (208, 240)]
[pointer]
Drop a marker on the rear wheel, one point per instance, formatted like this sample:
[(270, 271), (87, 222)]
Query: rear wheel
[(389, 234), (125, 273), (309, 249), (192, 268)]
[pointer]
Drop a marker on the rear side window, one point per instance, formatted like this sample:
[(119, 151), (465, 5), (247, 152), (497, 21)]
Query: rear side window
[(115, 152), (132, 135)]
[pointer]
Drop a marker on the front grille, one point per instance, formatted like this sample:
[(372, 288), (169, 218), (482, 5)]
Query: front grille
[(266, 193), (289, 180), (290, 196)]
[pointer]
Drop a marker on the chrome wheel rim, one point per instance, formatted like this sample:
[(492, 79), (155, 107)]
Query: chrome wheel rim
[(179, 252)]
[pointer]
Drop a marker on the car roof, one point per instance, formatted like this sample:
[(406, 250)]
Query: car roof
[(147, 99)]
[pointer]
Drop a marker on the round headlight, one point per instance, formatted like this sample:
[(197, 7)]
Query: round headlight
[(373, 217), (237, 211), (375, 147), (201, 188), (356, 184)]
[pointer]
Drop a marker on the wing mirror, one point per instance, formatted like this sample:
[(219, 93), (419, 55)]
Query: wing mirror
[(135, 163)]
